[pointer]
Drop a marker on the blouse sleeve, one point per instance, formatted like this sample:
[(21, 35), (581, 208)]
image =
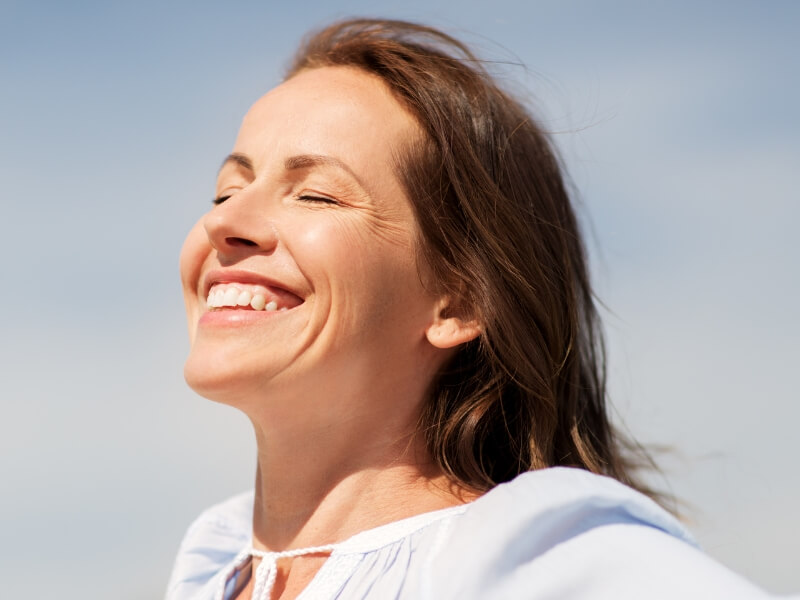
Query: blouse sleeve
[(568, 534), (212, 541)]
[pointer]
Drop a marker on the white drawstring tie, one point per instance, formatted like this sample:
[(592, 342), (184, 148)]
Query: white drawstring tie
[(267, 571)]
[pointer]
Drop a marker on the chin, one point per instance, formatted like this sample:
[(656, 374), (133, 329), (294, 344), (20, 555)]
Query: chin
[(219, 378)]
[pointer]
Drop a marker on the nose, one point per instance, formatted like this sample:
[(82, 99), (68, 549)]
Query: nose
[(239, 227)]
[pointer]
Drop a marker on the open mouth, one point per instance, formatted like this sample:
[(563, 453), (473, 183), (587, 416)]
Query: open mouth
[(241, 296)]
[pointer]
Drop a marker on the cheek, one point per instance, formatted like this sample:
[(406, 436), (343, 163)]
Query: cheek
[(373, 281), (345, 253), (194, 252)]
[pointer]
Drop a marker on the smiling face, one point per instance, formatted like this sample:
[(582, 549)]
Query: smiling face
[(303, 279)]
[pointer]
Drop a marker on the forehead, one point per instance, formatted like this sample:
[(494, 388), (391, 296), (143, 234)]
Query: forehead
[(339, 111)]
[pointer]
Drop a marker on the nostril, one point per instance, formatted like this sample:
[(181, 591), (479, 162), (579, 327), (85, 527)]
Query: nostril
[(237, 241)]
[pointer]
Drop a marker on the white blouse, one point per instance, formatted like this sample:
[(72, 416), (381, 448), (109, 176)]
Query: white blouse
[(549, 534)]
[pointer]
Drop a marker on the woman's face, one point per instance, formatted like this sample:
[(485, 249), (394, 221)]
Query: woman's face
[(314, 241)]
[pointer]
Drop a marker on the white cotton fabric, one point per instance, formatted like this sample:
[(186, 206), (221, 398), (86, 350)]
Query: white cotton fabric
[(549, 534)]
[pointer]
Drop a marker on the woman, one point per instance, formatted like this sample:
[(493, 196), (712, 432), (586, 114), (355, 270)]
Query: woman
[(392, 286)]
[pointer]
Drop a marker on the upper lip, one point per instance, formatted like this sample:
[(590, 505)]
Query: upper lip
[(238, 276)]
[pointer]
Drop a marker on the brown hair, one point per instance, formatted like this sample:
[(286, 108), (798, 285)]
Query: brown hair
[(501, 236)]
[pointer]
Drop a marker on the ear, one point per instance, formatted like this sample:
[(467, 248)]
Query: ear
[(449, 329)]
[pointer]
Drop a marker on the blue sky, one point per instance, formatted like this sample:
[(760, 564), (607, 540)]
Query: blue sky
[(677, 123)]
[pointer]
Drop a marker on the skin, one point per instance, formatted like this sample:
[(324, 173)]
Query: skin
[(312, 205)]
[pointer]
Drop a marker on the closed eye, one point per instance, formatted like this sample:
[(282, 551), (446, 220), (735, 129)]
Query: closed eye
[(305, 197), (322, 199)]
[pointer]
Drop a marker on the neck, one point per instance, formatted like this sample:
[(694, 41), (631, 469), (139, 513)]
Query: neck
[(318, 484)]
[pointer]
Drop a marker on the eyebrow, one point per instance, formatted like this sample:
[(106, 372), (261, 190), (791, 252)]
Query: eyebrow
[(293, 163), (306, 161), (237, 159)]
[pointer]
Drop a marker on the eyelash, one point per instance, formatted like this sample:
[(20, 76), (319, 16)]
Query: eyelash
[(305, 197), (320, 199)]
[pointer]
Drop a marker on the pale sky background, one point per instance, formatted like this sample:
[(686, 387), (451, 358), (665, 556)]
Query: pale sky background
[(678, 122)]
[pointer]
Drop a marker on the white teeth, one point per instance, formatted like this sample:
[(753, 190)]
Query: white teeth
[(230, 297), (244, 298), (215, 299), (258, 302), (218, 295), (227, 295)]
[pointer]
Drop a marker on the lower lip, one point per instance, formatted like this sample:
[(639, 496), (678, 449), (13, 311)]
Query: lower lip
[(234, 318)]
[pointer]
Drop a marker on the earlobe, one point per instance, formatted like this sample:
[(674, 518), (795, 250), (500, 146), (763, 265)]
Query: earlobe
[(449, 330)]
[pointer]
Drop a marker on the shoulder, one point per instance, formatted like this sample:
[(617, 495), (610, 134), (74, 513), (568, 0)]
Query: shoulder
[(212, 541), (568, 533), (577, 498)]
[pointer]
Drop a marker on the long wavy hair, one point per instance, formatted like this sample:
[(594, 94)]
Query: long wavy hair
[(501, 236)]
